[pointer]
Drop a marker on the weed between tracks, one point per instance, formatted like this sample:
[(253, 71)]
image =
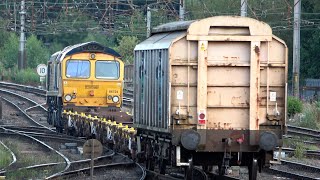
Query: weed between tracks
[(298, 143), (5, 157), (28, 155), (309, 118)]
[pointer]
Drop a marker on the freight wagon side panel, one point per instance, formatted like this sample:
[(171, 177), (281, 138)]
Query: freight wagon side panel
[(151, 82)]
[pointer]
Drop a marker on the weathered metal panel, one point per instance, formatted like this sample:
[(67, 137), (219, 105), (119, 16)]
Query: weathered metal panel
[(232, 68), (159, 41), (151, 89)]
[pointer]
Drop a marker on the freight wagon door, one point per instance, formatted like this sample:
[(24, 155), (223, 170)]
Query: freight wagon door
[(228, 84), (228, 70)]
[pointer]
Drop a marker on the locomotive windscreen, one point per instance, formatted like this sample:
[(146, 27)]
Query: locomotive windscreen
[(107, 69), (78, 69)]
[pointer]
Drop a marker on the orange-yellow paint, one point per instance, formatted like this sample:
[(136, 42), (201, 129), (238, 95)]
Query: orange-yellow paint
[(92, 91)]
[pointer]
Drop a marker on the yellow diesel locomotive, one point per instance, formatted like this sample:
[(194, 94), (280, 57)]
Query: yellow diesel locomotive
[(85, 77)]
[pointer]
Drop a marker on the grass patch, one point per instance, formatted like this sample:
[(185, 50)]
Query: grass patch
[(311, 117), (25, 159), (5, 157), (26, 76), (299, 150), (312, 147), (39, 173)]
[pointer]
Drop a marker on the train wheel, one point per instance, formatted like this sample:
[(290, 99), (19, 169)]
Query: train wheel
[(148, 155), (162, 166), (189, 170), (207, 168), (54, 118), (221, 170), (253, 169)]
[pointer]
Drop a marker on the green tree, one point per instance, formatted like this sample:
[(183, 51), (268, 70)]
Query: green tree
[(294, 106), (126, 47), (55, 46), (9, 53), (100, 38), (36, 52)]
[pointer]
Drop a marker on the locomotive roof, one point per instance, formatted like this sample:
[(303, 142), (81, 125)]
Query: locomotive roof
[(84, 47)]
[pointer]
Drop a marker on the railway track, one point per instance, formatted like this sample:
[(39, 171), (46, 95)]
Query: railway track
[(81, 166), (308, 153), (295, 130), (24, 88), (43, 133), (12, 133), (296, 170)]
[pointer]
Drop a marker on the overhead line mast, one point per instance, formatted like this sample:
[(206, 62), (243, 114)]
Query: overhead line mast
[(22, 53), (296, 47)]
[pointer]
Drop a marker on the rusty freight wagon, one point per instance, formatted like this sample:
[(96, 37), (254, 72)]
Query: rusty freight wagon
[(210, 92)]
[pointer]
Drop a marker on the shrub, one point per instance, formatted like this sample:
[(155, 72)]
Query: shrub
[(27, 76), (294, 106), (299, 150), (311, 116)]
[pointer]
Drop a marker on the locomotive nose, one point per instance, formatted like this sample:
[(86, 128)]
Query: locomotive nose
[(268, 140)]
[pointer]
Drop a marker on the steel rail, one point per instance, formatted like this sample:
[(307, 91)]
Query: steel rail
[(29, 117), (24, 88), (58, 163), (33, 128), (51, 136), (45, 145), (289, 174), (292, 174), (66, 174), (303, 131), (20, 96), (305, 166), (14, 158), (307, 152)]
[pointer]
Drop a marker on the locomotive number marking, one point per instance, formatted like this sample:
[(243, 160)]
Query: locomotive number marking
[(91, 86), (113, 91)]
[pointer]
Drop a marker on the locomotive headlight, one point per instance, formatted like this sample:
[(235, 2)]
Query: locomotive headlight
[(68, 97), (92, 56), (115, 99), (109, 97)]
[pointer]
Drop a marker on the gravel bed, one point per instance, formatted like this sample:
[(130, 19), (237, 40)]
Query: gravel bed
[(114, 173), (297, 170), (12, 116)]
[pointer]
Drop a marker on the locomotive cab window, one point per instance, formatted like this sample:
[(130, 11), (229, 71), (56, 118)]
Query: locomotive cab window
[(78, 69), (107, 69)]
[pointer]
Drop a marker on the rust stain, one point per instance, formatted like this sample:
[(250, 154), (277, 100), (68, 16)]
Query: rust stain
[(235, 58), (235, 100), (257, 50)]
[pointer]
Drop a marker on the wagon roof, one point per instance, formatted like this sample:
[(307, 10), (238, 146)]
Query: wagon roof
[(202, 26), (83, 47), (159, 41)]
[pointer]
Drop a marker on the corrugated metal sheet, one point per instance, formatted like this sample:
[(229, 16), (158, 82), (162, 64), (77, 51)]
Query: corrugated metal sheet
[(312, 82), (172, 26), (159, 41), (151, 89)]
